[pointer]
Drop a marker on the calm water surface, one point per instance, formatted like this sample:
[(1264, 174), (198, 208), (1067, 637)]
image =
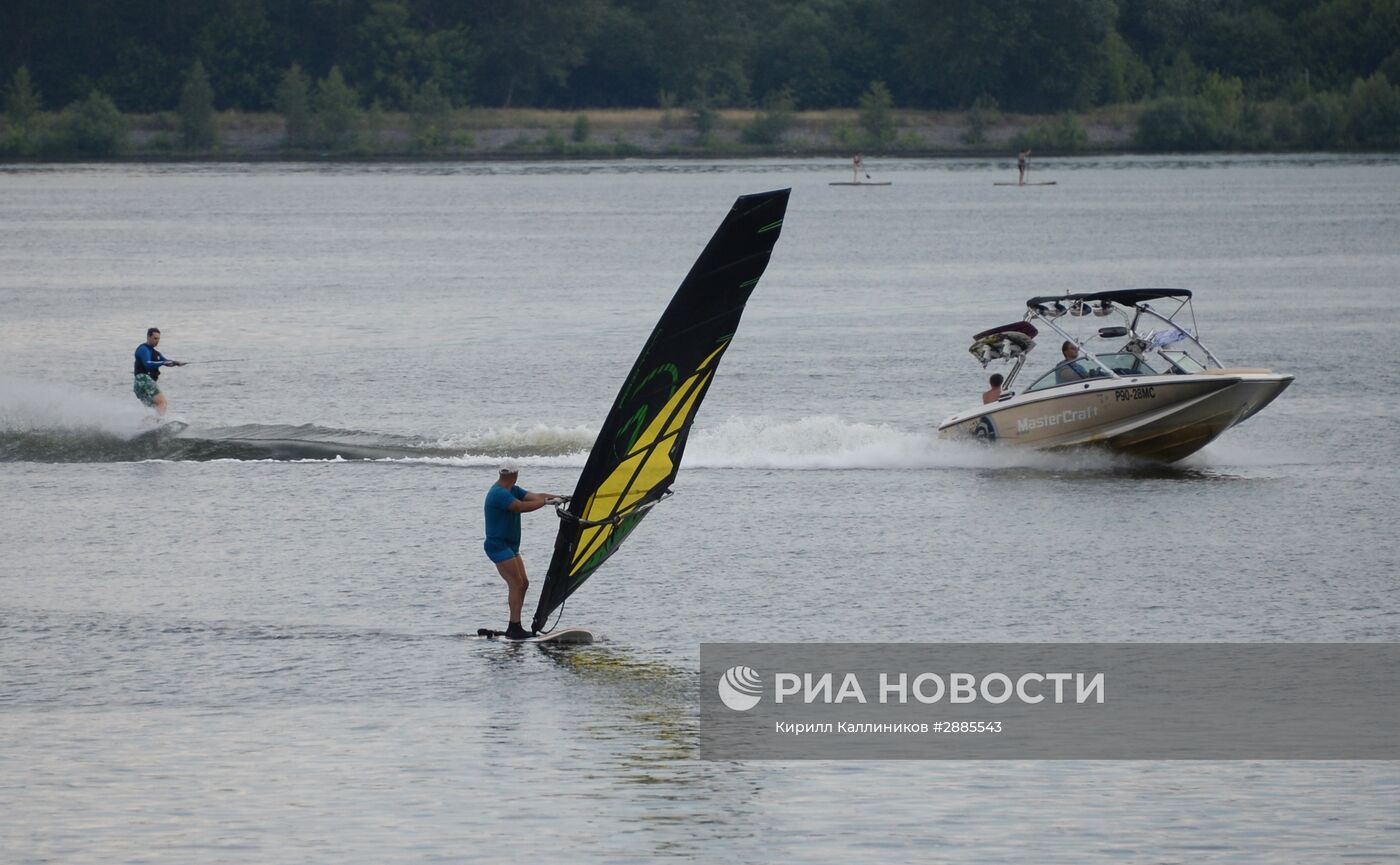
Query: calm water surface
[(247, 644)]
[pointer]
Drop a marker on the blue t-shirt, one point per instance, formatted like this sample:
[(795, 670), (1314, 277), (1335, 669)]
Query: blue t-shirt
[(502, 523)]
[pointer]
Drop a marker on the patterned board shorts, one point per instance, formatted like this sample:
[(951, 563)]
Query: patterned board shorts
[(145, 389)]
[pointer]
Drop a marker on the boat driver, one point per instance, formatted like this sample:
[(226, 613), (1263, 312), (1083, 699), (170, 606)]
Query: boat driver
[(1067, 371)]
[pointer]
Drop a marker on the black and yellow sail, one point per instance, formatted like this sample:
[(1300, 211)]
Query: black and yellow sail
[(638, 451)]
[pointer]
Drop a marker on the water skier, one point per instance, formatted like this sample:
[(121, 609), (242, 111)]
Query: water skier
[(147, 370), (505, 502)]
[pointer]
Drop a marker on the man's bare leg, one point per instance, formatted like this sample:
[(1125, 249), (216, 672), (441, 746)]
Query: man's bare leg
[(513, 572)]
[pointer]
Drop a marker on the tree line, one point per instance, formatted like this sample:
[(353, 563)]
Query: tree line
[(1202, 64)]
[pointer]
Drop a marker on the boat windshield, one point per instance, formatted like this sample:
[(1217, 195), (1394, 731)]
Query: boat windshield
[(1123, 363), (1181, 362)]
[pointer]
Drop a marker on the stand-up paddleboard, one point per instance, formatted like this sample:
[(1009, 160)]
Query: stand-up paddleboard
[(1027, 183), (861, 183), (558, 637), (637, 454)]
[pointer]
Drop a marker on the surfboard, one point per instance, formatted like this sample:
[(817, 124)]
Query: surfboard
[(861, 183), (1035, 183), (558, 637)]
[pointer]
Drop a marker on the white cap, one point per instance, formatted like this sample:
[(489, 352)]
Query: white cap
[(510, 467)]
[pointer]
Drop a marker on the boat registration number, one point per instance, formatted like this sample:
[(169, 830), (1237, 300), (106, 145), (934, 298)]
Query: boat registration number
[(1125, 394)]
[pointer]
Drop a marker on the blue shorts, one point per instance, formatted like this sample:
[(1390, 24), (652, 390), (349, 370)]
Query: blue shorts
[(499, 551)]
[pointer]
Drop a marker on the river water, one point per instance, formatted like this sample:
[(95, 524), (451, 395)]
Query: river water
[(247, 643)]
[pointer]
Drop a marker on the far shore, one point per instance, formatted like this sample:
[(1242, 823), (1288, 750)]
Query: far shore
[(525, 134), (520, 134)]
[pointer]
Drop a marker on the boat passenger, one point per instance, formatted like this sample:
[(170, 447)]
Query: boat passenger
[(147, 370), (993, 393)]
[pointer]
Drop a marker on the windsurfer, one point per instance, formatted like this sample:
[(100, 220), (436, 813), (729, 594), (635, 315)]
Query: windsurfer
[(147, 370), (505, 502)]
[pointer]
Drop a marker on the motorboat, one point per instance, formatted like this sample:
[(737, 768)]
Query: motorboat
[(1128, 377)]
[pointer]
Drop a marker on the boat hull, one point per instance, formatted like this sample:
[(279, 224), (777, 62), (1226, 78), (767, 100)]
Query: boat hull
[(1158, 418)]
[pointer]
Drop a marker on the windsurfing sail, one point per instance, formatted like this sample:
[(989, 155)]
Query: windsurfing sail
[(638, 451)]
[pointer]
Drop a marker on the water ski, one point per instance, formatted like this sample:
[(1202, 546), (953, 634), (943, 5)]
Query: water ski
[(1027, 183), (558, 636), (861, 183)]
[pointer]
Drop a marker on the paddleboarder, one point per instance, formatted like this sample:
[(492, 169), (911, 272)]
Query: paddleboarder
[(856, 168), (505, 502), (147, 370), (1023, 164)]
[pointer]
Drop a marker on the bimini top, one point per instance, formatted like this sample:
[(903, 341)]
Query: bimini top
[(1125, 296)]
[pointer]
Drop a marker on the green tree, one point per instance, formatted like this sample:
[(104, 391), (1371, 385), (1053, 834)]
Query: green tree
[(1064, 135), (1060, 61), (239, 48), (396, 57), (22, 104), (1182, 77), (582, 129), (1322, 120), (877, 115), (983, 114), (94, 126), (799, 55), (198, 128), (703, 48), (1343, 40), (530, 47), (1390, 67), (1031, 55), (769, 126), (1373, 111), (1126, 78), (22, 100), (1225, 96), (956, 51), (703, 116), (620, 66), (430, 118), (294, 104), (335, 107)]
